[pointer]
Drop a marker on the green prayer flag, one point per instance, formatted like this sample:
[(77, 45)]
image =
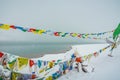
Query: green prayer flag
[(1, 78), (116, 33)]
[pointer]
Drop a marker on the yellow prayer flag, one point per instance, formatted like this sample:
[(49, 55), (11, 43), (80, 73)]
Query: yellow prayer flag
[(11, 65), (5, 26), (42, 70), (41, 31), (35, 32), (89, 57), (86, 36), (85, 57), (103, 49), (51, 64), (14, 76), (49, 78), (21, 62), (74, 34)]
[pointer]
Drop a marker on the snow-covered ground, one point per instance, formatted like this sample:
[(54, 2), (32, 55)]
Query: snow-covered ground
[(106, 68)]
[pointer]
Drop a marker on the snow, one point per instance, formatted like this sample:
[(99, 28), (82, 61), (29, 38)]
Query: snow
[(59, 56), (106, 68), (88, 48)]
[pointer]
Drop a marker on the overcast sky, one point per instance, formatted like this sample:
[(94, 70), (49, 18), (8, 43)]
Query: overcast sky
[(82, 16)]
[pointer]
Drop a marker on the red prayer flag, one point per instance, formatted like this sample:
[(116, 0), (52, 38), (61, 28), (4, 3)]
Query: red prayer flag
[(78, 59), (12, 26), (56, 34), (31, 30), (1, 54), (31, 63)]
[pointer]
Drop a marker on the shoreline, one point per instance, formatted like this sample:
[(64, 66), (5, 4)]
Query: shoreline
[(38, 55), (36, 51)]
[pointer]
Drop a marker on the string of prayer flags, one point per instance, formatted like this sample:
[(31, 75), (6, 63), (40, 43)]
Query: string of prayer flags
[(87, 57), (48, 70), (63, 68), (101, 35), (21, 62)]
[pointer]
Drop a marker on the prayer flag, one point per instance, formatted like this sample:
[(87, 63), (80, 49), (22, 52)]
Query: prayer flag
[(22, 62)]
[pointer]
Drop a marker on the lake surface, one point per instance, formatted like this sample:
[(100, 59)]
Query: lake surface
[(35, 49)]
